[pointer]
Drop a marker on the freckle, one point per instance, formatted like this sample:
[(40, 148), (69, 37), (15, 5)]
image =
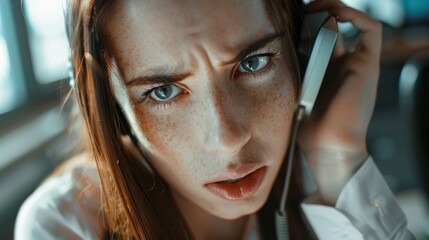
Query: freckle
[(232, 166), (263, 115)]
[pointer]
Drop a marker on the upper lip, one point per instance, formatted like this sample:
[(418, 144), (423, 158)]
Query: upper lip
[(236, 173)]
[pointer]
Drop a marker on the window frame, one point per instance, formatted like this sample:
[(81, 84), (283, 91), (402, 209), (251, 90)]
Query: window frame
[(37, 94)]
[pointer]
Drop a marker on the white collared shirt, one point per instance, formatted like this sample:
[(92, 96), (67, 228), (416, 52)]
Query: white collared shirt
[(67, 206), (365, 209)]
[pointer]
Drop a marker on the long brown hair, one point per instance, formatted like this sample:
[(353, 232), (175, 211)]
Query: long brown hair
[(128, 195)]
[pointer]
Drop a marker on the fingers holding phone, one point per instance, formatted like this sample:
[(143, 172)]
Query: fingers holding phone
[(338, 126)]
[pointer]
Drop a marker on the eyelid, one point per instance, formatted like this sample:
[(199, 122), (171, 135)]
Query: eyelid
[(176, 90), (272, 47), (147, 91), (143, 97), (268, 52)]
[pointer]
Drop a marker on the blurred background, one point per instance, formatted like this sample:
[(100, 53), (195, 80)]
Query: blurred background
[(34, 80)]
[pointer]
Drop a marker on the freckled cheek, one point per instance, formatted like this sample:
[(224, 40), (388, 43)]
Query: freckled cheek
[(163, 134), (173, 149), (273, 112)]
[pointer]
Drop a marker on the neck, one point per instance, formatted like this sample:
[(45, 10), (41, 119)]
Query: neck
[(204, 225)]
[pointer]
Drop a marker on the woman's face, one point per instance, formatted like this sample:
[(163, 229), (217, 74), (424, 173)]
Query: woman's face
[(213, 96)]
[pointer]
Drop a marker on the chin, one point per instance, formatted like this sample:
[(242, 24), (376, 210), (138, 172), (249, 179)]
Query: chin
[(237, 209)]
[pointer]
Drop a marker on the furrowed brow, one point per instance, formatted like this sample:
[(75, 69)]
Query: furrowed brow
[(156, 79), (161, 78), (258, 44)]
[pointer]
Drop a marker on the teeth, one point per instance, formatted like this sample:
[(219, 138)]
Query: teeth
[(233, 180)]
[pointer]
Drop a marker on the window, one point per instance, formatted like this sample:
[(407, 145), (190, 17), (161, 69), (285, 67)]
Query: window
[(6, 91), (47, 38), (8, 88), (33, 52)]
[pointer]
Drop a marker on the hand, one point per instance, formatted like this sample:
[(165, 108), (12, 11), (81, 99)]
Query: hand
[(333, 138)]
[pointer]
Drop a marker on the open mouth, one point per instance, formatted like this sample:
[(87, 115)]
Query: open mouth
[(239, 188)]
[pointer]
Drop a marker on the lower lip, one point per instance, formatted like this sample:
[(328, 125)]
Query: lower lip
[(241, 189)]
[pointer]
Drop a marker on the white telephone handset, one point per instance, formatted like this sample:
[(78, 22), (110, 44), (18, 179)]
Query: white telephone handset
[(318, 38), (321, 52)]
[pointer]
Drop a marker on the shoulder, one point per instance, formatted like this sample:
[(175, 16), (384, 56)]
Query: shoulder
[(67, 205)]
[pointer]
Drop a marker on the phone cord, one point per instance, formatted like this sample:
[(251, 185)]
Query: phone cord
[(282, 229)]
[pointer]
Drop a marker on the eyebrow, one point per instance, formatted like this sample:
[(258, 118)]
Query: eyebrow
[(160, 77), (258, 44), (165, 77)]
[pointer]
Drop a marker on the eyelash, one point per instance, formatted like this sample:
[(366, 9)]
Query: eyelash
[(151, 103), (270, 65), (167, 104), (158, 105)]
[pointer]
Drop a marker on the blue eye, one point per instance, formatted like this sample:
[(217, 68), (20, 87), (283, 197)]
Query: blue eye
[(253, 64), (165, 93)]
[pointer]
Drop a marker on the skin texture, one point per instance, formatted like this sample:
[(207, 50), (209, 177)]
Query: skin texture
[(224, 118)]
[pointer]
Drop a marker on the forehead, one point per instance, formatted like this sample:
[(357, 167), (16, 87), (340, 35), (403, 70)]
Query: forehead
[(149, 32)]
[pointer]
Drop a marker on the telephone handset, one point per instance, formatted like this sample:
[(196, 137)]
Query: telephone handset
[(318, 38)]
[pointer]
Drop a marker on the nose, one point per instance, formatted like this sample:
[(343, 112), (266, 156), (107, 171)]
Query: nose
[(227, 132)]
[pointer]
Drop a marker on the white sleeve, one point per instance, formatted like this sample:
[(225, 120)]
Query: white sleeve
[(365, 209), (61, 208)]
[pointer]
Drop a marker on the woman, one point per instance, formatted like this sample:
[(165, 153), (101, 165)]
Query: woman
[(213, 88)]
